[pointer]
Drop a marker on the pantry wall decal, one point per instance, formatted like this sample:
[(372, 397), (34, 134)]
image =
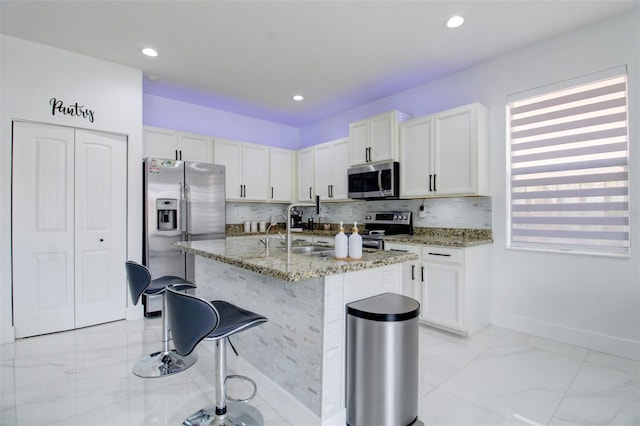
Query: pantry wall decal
[(73, 110)]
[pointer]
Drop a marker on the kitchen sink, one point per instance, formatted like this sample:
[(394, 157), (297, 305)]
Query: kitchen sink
[(318, 250)]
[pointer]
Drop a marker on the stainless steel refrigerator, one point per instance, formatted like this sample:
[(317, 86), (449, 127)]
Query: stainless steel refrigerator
[(183, 201)]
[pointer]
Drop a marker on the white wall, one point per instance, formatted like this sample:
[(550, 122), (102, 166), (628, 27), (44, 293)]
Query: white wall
[(32, 74), (585, 300)]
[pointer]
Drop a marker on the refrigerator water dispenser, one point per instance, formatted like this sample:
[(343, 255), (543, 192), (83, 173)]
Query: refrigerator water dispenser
[(167, 214)]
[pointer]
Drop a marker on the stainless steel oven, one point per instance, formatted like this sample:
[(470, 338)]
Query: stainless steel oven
[(377, 224)]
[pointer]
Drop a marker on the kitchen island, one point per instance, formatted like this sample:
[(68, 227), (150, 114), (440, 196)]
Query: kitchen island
[(302, 347)]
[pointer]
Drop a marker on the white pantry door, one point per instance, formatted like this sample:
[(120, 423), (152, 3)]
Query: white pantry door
[(42, 231), (100, 227), (69, 188)]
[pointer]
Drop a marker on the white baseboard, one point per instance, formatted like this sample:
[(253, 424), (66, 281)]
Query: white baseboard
[(7, 334), (622, 347), (134, 312)]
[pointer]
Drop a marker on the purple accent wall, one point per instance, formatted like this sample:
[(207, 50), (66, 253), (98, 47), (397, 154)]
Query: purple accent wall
[(187, 117), (161, 111)]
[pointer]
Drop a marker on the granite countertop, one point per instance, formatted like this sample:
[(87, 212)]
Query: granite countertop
[(248, 253), (446, 237), (458, 241)]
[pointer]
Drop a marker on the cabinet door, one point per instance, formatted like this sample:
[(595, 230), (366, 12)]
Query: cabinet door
[(340, 165), (410, 277), (305, 175), (323, 158), (280, 175), (42, 243), (382, 137), (359, 142), (229, 154), (442, 294), (416, 138), (194, 147), (455, 151), (100, 227), (160, 143), (255, 172)]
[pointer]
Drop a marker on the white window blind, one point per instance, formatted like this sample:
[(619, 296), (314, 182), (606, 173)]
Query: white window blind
[(568, 160)]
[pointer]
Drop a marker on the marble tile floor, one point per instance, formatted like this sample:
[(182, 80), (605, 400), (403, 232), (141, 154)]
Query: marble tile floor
[(497, 377)]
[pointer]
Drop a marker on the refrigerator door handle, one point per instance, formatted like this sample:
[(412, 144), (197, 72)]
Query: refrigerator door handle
[(181, 212), (187, 210)]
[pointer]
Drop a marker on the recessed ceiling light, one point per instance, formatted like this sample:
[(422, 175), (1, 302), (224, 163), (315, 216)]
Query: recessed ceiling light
[(297, 98), (149, 51), (455, 21), (151, 77)]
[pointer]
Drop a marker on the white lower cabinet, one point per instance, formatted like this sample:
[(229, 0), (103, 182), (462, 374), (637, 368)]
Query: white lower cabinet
[(442, 294), (456, 288), (410, 278), (451, 284)]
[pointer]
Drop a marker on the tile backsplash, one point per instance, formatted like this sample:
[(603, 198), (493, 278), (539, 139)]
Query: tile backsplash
[(462, 212)]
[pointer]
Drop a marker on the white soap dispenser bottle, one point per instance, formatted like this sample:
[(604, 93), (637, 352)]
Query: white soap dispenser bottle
[(355, 243), (341, 244)]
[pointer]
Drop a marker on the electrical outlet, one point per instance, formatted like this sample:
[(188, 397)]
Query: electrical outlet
[(350, 212), (422, 212)]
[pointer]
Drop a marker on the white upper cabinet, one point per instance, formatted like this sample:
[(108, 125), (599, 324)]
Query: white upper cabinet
[(165, 143), (375, 139), (445, 154), (331, 161), (280, 173), (416, 151), (305, 175), (247, 169)]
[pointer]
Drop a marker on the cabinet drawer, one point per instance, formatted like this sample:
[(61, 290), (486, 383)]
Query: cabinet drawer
[(401, 247), (442, 254)]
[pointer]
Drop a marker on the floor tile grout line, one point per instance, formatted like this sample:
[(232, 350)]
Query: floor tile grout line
[(564, 395), (439, 387)]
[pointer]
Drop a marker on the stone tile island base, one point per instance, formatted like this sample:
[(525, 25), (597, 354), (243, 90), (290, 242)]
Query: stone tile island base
[(302, 347)]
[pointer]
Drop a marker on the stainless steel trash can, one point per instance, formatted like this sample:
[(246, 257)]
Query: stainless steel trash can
[(382, 361)]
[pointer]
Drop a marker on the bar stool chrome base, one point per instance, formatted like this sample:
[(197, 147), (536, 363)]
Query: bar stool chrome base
[(238, 414), (162, 364)]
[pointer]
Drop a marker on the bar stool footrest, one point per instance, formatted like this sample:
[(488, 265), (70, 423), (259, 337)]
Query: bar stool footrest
[(243, 378)]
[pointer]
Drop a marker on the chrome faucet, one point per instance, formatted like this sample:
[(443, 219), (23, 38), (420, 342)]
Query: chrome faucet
[(291, 206), (274, 221)]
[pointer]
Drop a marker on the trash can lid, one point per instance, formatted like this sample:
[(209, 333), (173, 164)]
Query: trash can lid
[(385, 307)]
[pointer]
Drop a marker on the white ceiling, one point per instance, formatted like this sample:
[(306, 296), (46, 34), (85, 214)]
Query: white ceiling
[(250, 57)]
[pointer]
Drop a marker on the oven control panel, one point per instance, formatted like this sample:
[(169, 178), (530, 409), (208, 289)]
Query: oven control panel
[(398, 217)]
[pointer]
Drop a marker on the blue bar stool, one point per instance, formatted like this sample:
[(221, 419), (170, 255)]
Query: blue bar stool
[(166, 361), (192, 320)]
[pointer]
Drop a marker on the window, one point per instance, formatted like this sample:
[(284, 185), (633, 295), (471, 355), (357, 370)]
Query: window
[(568, 163)]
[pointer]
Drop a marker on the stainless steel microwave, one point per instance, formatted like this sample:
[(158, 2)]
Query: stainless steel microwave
[(374, 181)]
